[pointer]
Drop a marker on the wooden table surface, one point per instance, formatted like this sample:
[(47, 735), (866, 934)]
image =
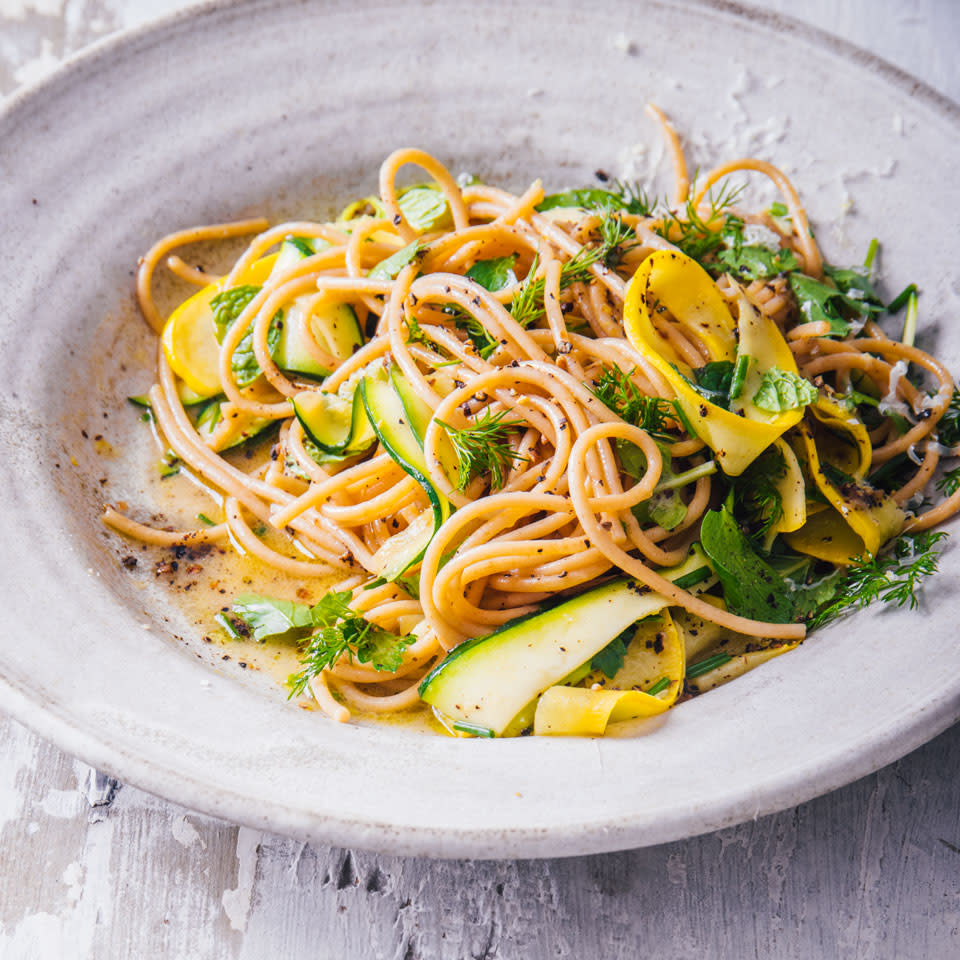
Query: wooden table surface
[(90, 868)]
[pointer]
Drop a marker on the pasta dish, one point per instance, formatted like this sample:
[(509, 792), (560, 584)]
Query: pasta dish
[(551, 461)]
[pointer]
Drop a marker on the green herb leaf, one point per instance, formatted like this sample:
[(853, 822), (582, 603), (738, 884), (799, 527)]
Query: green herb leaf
[(610, 659), (342, 632), (494, 274), (484, 447), (658, 687), (783, 390), (948, 426), (389, 268), (619, 393), (751, 587), (757, 263), (587, 198), (851, 296), (894, 576), (228, 305), (949, 483), (266, 618), (244, 362)]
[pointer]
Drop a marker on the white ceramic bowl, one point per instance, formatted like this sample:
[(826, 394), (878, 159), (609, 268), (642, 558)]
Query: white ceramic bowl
[(289, 107)]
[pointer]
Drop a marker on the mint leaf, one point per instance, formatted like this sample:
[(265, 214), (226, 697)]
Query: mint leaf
[(228, 305), (757, 263), (783, 390)]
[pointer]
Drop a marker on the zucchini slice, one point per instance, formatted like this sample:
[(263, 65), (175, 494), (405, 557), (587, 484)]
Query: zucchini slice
[(488, 681), (395, 429), (334, 326), (337, 426)]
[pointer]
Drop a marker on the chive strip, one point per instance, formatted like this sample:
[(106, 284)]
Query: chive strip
[(910, 321), (693, 578), (705, 666), (373, 584), (658, 687), (900, 300), (474, 728), (204, 519), (871, 253), (739, 375)]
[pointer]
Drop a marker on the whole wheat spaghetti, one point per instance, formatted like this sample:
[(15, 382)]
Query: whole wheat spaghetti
[(483, 406)]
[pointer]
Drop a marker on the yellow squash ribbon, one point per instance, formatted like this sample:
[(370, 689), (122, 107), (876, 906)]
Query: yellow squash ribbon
[(673, 288)]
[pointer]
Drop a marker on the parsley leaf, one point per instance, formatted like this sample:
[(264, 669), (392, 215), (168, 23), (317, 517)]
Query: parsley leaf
[(757, 263), (783, 390), (609, 660)]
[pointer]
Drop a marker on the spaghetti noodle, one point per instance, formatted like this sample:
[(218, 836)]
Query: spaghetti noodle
[(487, 407)]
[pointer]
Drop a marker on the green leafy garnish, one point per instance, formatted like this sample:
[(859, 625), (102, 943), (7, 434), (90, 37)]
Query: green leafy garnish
[(527, 304), (494, 274), (758, 503), (614, 388), (609, 661), (714, 381), (893, 577), (778, 209), (751, 587), (266, 618), (389, 268), (948, 426), (851, 296), (617, 238), (228, 305), (484, 447), (949, 483), (623, 197), (756, 263), (205, 520), (783, 390), (699, 236), (244, 362)]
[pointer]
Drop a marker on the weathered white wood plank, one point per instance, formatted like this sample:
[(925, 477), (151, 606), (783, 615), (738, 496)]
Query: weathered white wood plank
[(871, 871)]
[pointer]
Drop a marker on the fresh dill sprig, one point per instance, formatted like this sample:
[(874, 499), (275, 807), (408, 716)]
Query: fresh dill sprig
[(698, 235), (617, 238), (484, 447), (635, 199), (949, 483), (527, 307), (893, 577), (616, 391), (758, 503)]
